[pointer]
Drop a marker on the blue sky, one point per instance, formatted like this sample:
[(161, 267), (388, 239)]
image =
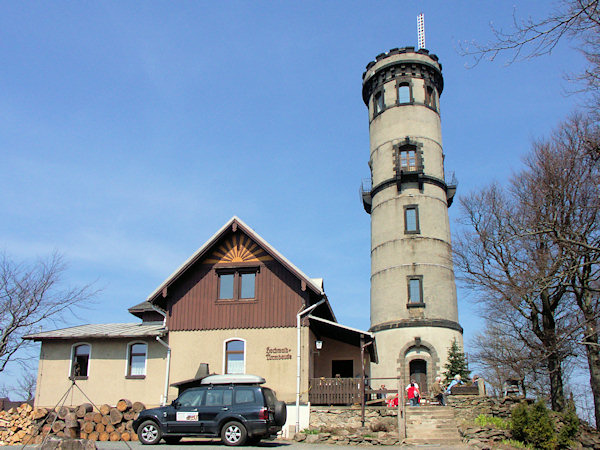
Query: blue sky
[(131, 131)]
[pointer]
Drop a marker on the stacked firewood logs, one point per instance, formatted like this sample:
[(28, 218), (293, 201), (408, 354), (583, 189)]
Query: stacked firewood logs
[(16, 425), (111, 423)]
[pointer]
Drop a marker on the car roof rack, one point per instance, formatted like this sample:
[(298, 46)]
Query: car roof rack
[(233, 379)]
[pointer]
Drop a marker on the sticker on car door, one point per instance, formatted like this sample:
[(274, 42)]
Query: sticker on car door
[(187, 416)]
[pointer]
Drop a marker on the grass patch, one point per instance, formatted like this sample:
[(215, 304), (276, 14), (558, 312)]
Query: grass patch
[(497, 422), (515, 443), (311, 431)]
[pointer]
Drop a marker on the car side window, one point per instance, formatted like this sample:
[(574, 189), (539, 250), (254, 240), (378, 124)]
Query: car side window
[(214, 397), (244, 396), (191, 398)]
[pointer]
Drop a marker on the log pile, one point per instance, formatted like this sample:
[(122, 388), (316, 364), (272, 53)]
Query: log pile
[(112, 423)]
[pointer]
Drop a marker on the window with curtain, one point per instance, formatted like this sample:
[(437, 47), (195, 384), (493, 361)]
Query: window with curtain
[(234, 356), (137, 360)]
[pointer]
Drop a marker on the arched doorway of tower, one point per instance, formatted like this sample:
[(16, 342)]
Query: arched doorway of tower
[(418, 360), (418, 372)]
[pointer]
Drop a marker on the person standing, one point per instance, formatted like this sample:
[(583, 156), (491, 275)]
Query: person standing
[(413, 394)]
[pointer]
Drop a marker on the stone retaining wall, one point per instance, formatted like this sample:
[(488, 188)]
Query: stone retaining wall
[(339, 417), (342, 425)]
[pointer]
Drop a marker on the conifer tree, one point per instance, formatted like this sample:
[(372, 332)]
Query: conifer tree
[(457, 363)]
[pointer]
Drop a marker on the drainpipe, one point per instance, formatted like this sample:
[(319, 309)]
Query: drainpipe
[(298, 316), (163, 400)]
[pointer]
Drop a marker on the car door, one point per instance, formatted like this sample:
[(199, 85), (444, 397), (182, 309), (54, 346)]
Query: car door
[(216, 404), (186, 419)]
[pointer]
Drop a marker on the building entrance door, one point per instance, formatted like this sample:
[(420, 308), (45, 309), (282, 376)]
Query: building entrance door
[(418, 372)]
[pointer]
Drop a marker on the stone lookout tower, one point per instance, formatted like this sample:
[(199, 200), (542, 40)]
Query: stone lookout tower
[(414, 312)]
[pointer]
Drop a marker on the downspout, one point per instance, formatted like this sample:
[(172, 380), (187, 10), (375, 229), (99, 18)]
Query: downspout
[(298, 316), (163, 400)]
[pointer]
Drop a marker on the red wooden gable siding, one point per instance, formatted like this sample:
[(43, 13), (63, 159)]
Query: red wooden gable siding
[(192, 301)]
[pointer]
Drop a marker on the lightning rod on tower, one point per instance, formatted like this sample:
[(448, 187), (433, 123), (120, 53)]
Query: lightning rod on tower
[(421, 31)]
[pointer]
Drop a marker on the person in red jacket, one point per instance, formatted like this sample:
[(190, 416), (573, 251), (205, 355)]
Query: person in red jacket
[(413, 394)]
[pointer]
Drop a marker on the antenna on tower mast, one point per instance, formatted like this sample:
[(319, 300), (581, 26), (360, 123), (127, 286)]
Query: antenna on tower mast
[(421, 31)]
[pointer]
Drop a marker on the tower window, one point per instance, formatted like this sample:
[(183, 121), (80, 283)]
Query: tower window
[(430, 97), (415, 289), (403, 93), (409, 160), (378, 103), (411, 219)]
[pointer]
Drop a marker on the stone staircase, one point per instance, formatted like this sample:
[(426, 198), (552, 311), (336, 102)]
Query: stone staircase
[(431, 425)]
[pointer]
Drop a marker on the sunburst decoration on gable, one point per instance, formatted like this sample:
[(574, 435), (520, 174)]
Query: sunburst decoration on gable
[(238, 248)]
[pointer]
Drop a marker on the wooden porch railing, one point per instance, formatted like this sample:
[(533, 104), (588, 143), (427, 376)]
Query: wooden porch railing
[(334, 391)]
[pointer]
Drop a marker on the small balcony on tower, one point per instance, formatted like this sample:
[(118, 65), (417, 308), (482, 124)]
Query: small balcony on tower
[(367, 190), (365, 194)]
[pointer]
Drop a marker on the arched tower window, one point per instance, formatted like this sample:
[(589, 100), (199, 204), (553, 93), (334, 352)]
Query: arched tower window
[(235, 356), (404, 93), (80, 362)]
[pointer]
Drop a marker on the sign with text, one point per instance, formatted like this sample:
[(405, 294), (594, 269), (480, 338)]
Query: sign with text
[(276, 353)]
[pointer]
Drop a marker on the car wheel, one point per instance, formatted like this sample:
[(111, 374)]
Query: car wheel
[(149, 433), (172, 439), (233, 433), (280, 413)]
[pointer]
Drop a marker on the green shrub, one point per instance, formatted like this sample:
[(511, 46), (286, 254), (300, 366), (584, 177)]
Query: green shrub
[(540, 429), (533, 425), (497, 422), (570, 425), (519, 421), (310, 431)]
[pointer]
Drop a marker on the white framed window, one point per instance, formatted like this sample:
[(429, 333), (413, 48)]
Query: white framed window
[(234, 356), (137, 356), (80, 361)]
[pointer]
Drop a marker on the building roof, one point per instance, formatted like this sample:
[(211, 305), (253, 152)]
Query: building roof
[(104, 331), (314, 284), (343, 333)]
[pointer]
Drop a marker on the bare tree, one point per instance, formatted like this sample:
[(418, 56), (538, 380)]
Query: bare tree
[(27, 384), (577, 20), (30, 296), (535, 248), (563, 175), (520, 278)]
